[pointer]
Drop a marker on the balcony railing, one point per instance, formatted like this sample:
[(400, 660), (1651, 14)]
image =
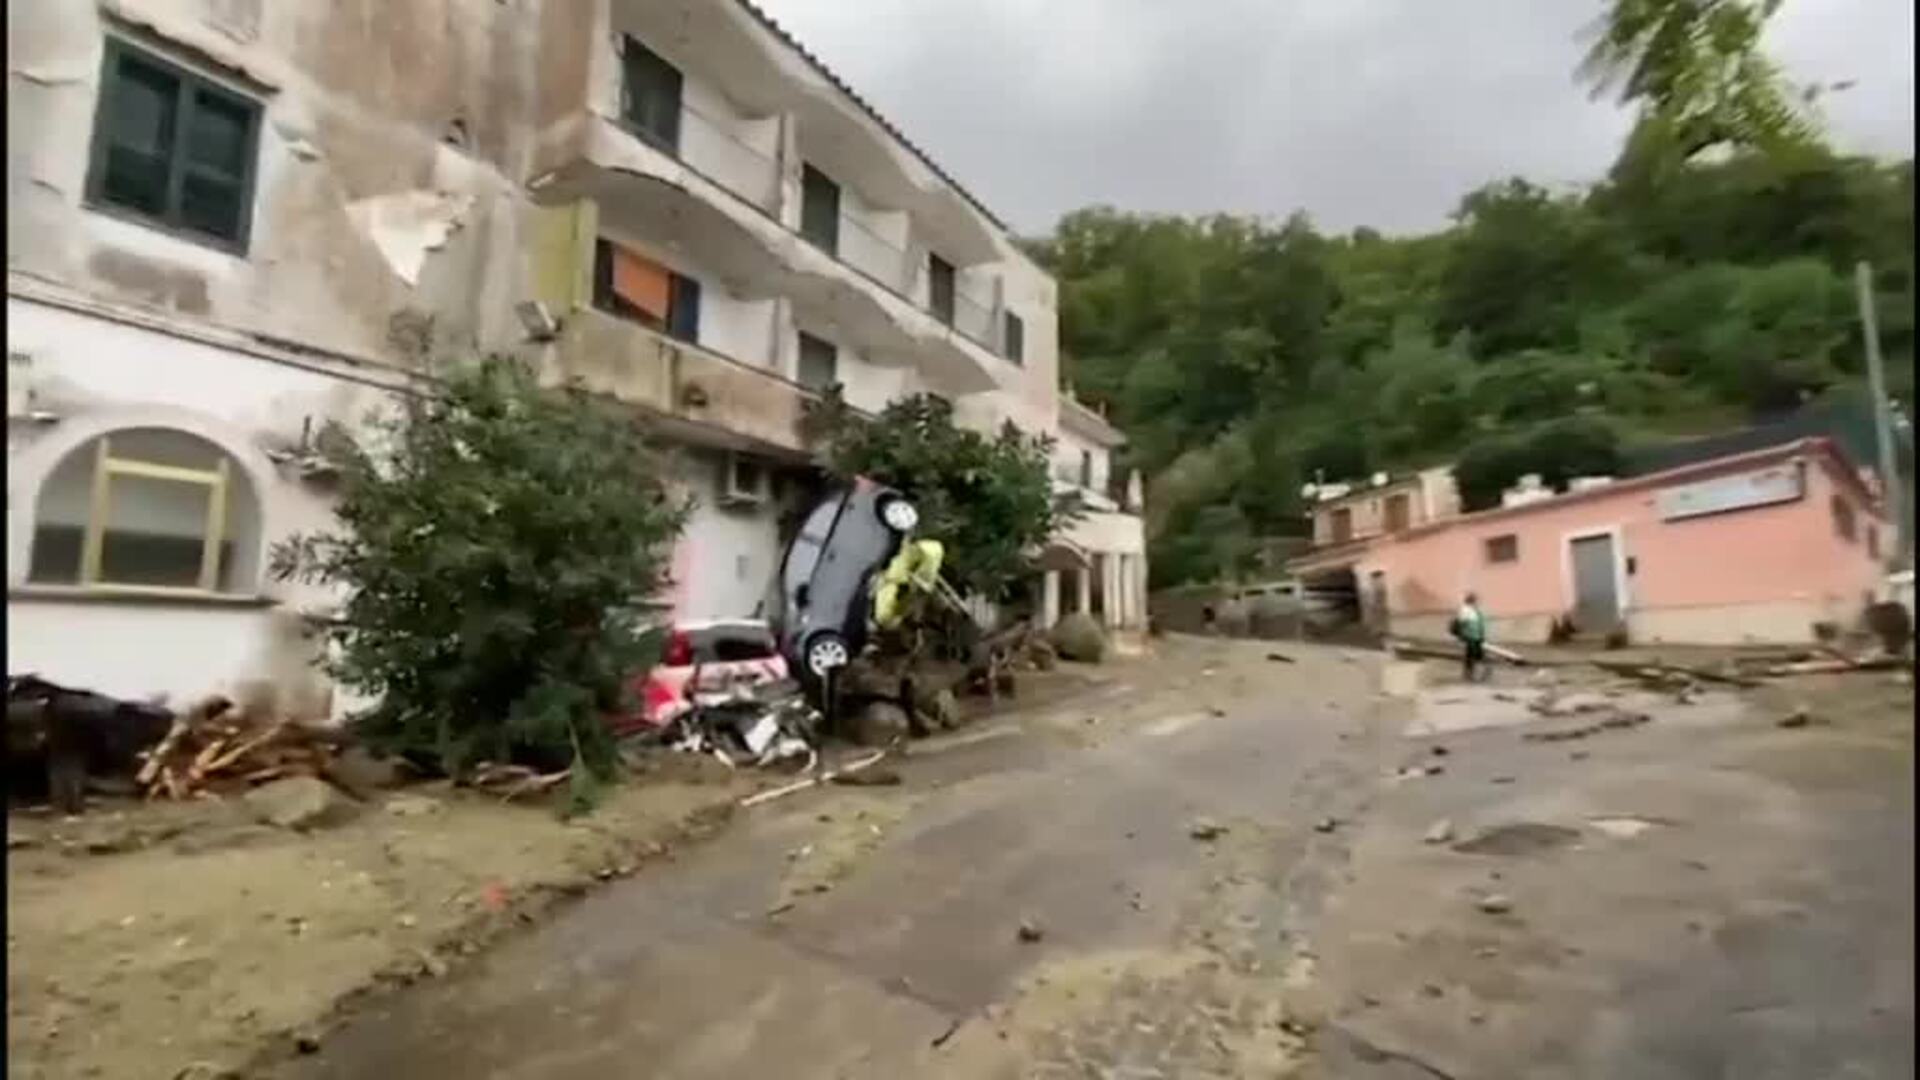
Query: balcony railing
[(681, 381), (752, 175)]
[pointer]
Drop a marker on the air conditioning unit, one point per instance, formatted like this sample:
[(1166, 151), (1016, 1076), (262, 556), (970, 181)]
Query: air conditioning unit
[(743, 481)]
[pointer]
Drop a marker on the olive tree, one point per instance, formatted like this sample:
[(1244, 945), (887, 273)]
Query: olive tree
[(495, 538)]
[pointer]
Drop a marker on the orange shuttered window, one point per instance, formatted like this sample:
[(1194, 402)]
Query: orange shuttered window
[(640, 282)]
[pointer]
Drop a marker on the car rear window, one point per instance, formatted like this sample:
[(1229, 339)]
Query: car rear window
[(726, 645)]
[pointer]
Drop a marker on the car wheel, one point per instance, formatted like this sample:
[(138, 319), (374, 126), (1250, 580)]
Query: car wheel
[(898, 514), (825, 652)]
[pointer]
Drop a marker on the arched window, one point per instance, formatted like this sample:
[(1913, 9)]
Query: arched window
[(149, 508)]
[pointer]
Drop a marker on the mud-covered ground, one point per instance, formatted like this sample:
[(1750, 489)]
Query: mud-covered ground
[(1231, 859), (189, 939), (1221, 864)]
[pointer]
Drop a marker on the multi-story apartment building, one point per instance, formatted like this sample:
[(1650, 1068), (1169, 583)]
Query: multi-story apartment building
[(231, 221)]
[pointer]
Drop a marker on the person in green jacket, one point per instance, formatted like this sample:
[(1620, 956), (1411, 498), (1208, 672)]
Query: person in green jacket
[(1470, 626)]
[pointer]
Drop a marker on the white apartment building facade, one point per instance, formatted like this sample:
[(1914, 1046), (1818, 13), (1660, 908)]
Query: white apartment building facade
[(231, 221)]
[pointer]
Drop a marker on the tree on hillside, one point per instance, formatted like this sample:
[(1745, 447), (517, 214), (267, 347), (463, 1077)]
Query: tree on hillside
[(1696, 69), (495, 542), (1522, 267)]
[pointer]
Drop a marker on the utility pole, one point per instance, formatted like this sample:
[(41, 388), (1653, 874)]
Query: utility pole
[(1891, 494)]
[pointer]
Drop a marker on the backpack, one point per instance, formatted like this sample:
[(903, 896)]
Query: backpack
[(1457, 627)]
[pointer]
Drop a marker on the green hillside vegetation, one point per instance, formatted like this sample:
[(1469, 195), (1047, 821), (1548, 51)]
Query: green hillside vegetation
[(1707, 282)]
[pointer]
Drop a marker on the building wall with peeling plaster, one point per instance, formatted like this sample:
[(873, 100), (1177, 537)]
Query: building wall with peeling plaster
[(361, 212), (390, 225)]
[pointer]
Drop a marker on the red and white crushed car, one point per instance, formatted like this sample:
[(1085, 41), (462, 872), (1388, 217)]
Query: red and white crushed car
[(723, 655)]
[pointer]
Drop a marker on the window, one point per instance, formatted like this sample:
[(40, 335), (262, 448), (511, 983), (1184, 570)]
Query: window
[(634, 287), (173, 147), (1398, 513), (1341, 522), (940, 288), (651, 89), (1086, 468), (1503, 549), (146, 507), (1016, 336), (1843, 522), (819, 209), (819, 363)]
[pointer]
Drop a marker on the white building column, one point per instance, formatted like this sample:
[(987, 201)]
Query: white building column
[(1083, 598), (1049, 598), (1136, 596)]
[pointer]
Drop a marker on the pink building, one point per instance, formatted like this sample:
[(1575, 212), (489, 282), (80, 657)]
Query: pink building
[(1753, 547)]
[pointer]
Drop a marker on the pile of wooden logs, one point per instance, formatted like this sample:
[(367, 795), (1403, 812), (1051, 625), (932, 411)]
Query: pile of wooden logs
[(217, 746)]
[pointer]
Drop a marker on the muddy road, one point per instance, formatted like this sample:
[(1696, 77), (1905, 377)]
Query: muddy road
[(1227, 865)]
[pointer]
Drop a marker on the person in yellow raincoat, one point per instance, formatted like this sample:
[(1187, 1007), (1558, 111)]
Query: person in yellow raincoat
[(915, 569)]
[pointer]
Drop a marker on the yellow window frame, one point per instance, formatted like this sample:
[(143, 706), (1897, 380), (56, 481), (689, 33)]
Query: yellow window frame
[(105, 467)]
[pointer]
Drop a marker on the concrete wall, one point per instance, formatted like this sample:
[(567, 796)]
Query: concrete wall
[(363, 214), (1369, 511), (724, 562), (1066, 460), (391, 229), (91, 375), (1763, 573)]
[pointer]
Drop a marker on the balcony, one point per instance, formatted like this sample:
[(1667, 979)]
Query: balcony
[(713, 181), (655, 194), (694, 394)]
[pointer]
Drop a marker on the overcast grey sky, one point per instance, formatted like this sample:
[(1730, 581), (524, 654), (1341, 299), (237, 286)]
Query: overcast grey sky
[(1361, 112)]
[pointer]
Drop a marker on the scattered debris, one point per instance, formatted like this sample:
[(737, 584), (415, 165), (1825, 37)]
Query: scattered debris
[(1280, 658), (1662, 674), (1502, 779), (875, 778), (780, 908), (514, 781), (1440, 832), (802, 785), (1495, 904), (1030, 931), (217, 744), (1625, 828), (1617, 721), (70, 737), (1798, 718), (953, 1027), (1205, 829), (412, 806), (1325, 825)]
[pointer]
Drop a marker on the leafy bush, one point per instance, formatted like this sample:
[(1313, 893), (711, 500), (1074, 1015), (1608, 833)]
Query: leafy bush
[(495, 539), (990, 501)]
